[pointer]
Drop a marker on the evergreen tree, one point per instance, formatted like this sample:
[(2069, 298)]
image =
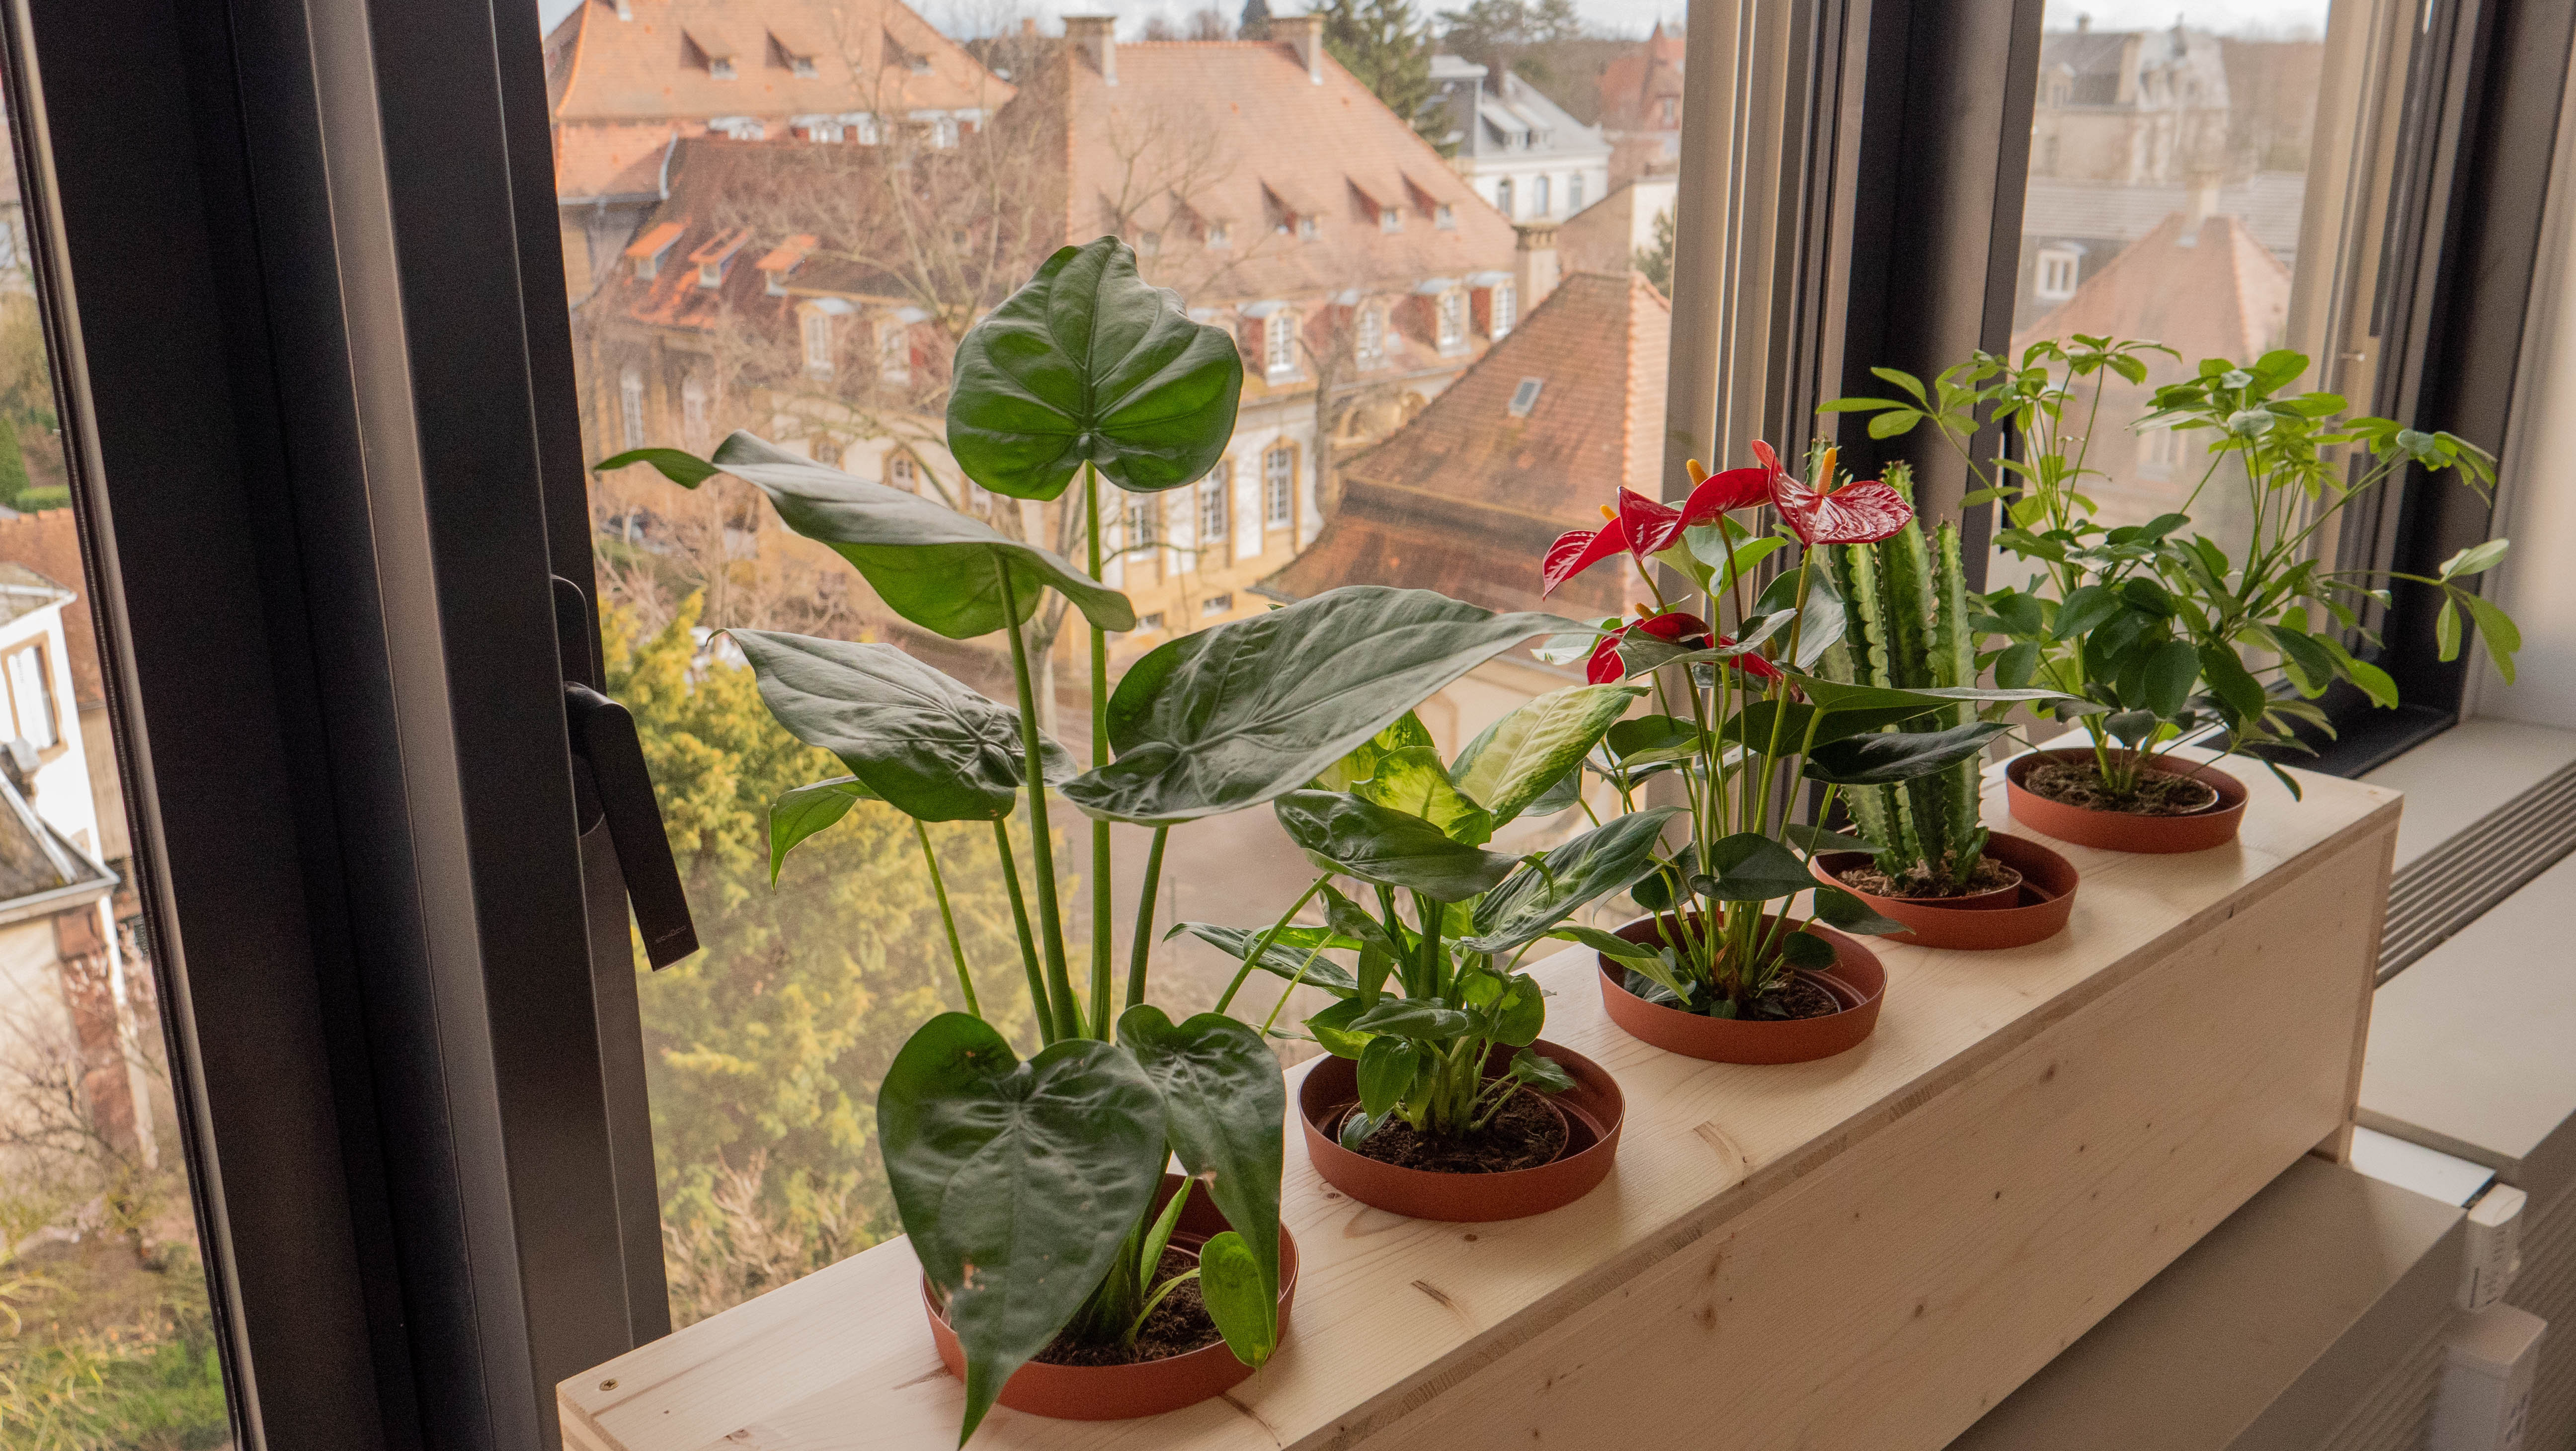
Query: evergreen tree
[(763, 1051), (1496, 34), (1656, 262), (1256, 21), (1385, 45)]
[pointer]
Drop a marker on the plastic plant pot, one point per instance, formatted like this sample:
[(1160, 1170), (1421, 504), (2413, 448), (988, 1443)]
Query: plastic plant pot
[(1593, 1111), (2032, 910), (1857, 980), (2213, 825)]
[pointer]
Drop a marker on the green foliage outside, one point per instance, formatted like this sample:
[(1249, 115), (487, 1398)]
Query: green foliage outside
[(1386, 45), (108, 1355), (1656, 263), (764, 1050), (1509, 34)]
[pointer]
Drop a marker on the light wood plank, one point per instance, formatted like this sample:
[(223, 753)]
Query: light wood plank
[(1442, 1334)]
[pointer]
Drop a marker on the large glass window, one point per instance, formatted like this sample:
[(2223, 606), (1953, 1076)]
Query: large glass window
[(1361, 246)]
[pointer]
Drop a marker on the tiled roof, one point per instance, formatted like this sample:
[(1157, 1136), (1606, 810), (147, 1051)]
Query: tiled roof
[(635, 80), (2208, 292), (35, 860), (1631, 82), (1229, 125), (1466, 497), (2268, 203)]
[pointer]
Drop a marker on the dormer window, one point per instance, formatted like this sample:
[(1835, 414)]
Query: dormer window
[(1307, 230), (1150, 245), (818, 344), (1370, 347), (894, 352), (2059, 269), (1279, 345), (646, 251), (1446, 218), (824, 130), (1218, 236), (903, 472), (715, 257), (783, 259), (1506, 309), (1449, 312), (859, 126), (1390, 219)]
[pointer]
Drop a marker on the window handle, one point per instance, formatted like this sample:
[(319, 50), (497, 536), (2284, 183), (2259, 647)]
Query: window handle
[(603, 735)]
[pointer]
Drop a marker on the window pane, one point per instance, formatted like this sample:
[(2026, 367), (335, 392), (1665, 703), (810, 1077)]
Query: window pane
[(106, 1339), (2168, 166), (1397, 315)]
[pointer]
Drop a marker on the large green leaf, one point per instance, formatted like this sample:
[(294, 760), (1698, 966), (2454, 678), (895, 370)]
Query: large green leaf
[(1233, 716), (1017, 1181), (1225, 1108), (1368, 841), (801, 811), (1832, 696), (1538, 744), (1089, 362), (933, 748), (938, 568), (1751, 867), (1242, 1301), (1603, 860), (1362, 761), (1882, 760), (1414, 782)]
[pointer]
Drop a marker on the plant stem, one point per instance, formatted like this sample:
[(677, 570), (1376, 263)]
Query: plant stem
[(1144, 940), (1068, 1013), (1263, 946), (1102, 904), (1028, 944), (947, 918)]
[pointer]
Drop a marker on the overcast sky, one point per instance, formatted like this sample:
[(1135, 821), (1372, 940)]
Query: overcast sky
[(1633, 17)]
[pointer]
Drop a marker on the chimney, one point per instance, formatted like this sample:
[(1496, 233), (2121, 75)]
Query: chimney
[(1534, 270), (1097, 37), (2204, 204), (1306, 32), (2083, 23)]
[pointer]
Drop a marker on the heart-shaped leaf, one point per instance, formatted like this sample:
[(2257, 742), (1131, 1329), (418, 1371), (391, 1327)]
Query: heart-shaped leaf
[(1606, 859), (1414, 782), (1520, 1013), (801, 811), (1751, 867), (1536, 745), (1365, 840), (1332, 1028), (1018, 1182), (1362, 762), (940, 569), (1088, 362), (1225, 1110), (1892, 756), (1233, 716), (933, 748), (1544, 1074)]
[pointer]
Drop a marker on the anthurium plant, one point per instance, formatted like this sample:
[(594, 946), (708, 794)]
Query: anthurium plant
[(2159, 629), (1423, 1001), (1745, 715), (1025, 1185)]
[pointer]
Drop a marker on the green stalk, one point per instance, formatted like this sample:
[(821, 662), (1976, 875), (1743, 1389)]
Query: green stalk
[(948, 919), (1144, 939), (1263, 946), (1068, 1013), (1028, 944), (1102, 904)]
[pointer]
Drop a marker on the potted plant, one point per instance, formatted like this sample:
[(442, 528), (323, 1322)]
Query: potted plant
[(1719, 971), (1931, 864), (2161, 633), (1064, 1272), (1441, 1100)]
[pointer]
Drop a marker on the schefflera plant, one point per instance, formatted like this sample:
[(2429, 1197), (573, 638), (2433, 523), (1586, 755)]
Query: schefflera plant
[(1423, 1003), (1910, 628), (1025, 1185), (1744, 717)]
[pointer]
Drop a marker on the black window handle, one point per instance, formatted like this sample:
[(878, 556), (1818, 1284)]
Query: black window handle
[(603, 735)]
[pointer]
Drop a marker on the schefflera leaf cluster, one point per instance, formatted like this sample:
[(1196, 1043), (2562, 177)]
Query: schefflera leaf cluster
[(1028, 1186), (1428, 938)]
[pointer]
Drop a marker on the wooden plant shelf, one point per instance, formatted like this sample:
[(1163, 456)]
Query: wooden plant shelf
[(1867, 1251)]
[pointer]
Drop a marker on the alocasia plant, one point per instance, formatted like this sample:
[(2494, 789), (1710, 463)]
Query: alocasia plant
[(1423, 1003), (1744, 717), (1024, 1184)]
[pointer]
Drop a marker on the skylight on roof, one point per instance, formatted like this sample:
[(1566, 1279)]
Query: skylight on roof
[(1525, 397)]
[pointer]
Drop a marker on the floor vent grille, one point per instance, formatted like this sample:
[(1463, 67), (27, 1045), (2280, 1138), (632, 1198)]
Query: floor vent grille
[(2453, 885)]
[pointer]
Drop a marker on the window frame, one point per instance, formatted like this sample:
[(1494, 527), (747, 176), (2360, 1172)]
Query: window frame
[(48, 710), (1279, 486)]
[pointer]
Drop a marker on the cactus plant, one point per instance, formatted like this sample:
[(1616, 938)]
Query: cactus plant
[(1908, 602)]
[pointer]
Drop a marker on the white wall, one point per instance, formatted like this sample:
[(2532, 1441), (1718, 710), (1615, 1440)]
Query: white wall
[(62, 775)]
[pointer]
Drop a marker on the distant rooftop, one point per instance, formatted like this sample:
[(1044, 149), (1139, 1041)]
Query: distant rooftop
[(2268, 204), (23, 591)]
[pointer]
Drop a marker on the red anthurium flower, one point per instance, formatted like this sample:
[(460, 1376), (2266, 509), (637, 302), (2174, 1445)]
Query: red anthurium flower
[(1715, 494), (1674, 627), (1650, 526), (1577, 550), (1852, 514)]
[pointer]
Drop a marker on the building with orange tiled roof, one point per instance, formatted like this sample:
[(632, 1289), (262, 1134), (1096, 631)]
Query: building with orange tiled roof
[(2202, 284), (1527, 444), (1641, 107), (626, 79)]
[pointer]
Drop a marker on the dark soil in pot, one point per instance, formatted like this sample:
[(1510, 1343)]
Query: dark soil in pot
[(2037, 906), (1527, 1133), (2080, 784), (1990, 876), (1588, 1115), (2178, 784), (1179, 1325)]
